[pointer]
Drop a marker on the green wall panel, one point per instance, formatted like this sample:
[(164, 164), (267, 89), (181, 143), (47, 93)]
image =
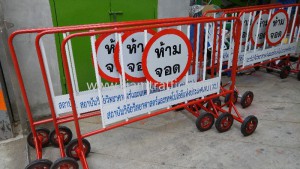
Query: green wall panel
[(134, 9), (77, 12)]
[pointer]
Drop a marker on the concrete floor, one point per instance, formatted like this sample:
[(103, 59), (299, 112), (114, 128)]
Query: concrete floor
[(172, 141)]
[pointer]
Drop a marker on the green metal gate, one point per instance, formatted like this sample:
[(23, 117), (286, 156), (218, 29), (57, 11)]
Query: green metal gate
[(75, 12)]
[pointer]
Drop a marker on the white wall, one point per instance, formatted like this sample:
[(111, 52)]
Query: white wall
[(173, 8), (26, 14)]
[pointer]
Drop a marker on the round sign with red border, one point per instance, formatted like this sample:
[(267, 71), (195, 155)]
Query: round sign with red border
[(167, 57), (246, 24), (261, 29), (133, 48), (105, 47), (277, 27)]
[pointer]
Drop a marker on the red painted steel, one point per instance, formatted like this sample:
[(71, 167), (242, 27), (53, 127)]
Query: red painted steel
[(264, 64), (240, 12), (118, 28), (32, 123), (70, 87)]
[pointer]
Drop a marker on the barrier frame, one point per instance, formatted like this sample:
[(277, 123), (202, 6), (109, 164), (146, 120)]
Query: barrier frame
[(70, 88)]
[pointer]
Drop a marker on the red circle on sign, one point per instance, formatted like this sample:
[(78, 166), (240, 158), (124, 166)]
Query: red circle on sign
[(150, 43), (286, 28), (252, 27), (117, 57), (101, 72), (243, 43)]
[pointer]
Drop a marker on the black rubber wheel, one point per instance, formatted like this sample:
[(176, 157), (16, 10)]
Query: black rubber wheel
[(284, 73), (205, 121), (298, 75), (224, 122), (38, 164), (268, 69), (247, 99), (66, 163), (65, 132), (227, 97), (73, 146), (216, 101), (43, 135), (249, 125)]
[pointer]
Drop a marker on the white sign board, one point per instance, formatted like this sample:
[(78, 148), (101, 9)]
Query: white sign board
[(133, 48), (277, 27), (262, 55), (167, 57), (113, 113)]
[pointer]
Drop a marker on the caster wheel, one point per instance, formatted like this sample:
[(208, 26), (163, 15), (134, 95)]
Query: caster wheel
[(284, 73), (43, 135), (216, 101), (268, 69), (66, 134), (67, 163), (298, 75), (38, 164), (227, 97), (247, 99), (205, 121), (224, 122), (179, 109), (249, 125), (72, 148)]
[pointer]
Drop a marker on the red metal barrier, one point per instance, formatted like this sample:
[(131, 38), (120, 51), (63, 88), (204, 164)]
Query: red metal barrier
[(80, 150)]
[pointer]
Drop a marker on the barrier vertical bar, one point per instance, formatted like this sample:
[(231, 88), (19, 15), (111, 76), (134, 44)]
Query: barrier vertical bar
[(289, 17), (257, 31), (122, 66), (72, 62), (72, 71), (205, 52), (197, 51), (98, 77), (293, 25)]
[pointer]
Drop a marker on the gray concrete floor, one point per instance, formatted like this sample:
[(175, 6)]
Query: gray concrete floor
[(173, 141)]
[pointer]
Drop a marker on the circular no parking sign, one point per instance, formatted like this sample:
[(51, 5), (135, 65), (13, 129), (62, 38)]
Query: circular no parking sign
[(105, 47), (167, 57), (277, 27), (246, 24), (132, 49), (261, 26)]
